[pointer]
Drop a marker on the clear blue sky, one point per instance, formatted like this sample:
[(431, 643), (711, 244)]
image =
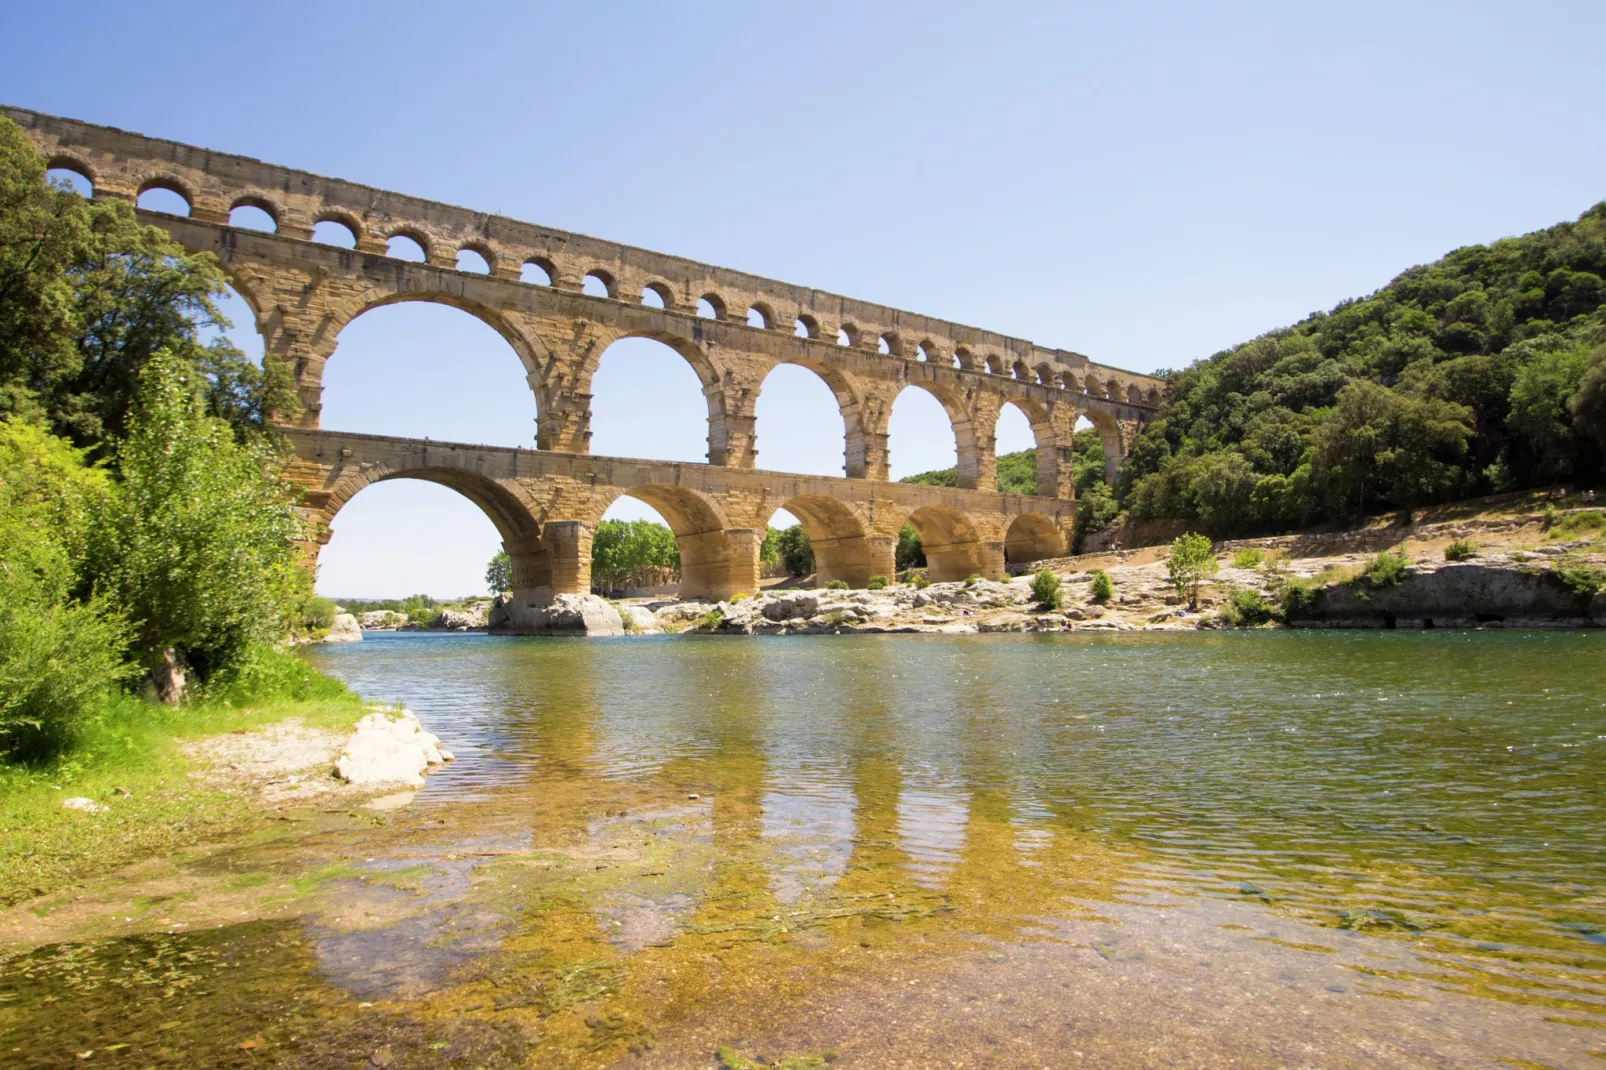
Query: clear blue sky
[(1144, 183)]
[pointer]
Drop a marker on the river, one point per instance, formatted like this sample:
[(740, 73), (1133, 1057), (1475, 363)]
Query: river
[(1267, 848)]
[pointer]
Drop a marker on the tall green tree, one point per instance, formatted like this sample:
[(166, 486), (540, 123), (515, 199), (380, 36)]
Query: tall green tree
[(499, 573), (197, 543), (89, 296), (621, 547)]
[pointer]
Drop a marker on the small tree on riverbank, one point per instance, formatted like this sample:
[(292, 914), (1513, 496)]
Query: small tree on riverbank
[(499, 573), (1193, 560)]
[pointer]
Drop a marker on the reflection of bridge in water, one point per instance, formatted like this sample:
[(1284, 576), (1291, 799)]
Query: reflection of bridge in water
[(731, 328)]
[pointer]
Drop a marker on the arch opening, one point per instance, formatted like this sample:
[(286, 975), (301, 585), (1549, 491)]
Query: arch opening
[(420, 367), (648, 399), (715, 561), (536, 273), (806, 326), (253, 215), (473, 260), (923, 438), (67, 176), (710, 307), (801, 419), (377, 549), (1025, 450), (634, 552), (952, 544), (656, 295), (409, 247), (336, 232), (837, 539), (1032, 537), (760, 317), (597, 284), (166, 197)]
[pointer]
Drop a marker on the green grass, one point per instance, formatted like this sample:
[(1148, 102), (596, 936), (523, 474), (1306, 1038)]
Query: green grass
[(1248, 557), (134, 745), (1585, 523)]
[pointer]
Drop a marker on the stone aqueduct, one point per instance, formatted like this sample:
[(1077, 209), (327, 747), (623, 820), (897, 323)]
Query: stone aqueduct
[(546, 502)]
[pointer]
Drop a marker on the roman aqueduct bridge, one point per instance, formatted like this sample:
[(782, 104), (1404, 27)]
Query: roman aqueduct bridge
[(731, 328)]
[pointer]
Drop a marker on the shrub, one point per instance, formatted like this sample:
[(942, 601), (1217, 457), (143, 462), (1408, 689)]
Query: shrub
[(1459, 550), (835, 585), (264, 672), (1103, 589), (973, 579), (920, 581), (1587, 523), (1246, 608), (1192, 560), (740, 596), (1581, 579), (711, 620), (1297, 598), (1046, 589), (1248, 557), (499, 573), (1386, 570), (876, 583)]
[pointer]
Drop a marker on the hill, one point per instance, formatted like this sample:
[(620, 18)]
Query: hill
[(1482, 372)]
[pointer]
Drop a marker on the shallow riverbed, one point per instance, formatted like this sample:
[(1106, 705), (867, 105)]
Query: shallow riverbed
[(1286, 848)]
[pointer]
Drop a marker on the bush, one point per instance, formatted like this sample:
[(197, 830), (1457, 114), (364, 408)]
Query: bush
[(1459, 550), (1297, 598), (1581, 579), (796, 553), (1386, 570), (1246, 608), (263, 673), (876, 583), (1192, 560), (1248, 557), (920, 581), (711, 620), (1103, 589), (973, 579), (1046, 589), (1588, 523), (834, 585), (910, 553), (739, 596)]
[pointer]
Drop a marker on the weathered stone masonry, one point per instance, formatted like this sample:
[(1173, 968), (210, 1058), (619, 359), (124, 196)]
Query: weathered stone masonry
[(547, 501)]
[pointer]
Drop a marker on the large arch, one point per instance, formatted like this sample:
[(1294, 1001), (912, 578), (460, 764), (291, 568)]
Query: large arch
[(504, 504), (960, 425), (716, 561), (1044, 442), (953, 544), (455, 351), (848, 402), (654, 412), (1032, 537), (843, 546)]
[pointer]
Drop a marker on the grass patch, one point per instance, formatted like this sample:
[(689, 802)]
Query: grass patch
[(125, 757), (1246, 609), (1460, 550), (1248, 557), (1583, 524), (1386, 570)]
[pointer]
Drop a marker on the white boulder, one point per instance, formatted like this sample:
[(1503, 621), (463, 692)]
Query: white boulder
[(344, 629), (389, 749)]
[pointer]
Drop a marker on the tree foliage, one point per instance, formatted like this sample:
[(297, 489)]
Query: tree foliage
[(198, 543), (621, 548), (89, 296), (1192, 561), (499, 573), (795, 550), (1484, 371)]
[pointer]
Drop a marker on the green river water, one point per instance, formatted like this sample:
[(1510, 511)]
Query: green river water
[(1252, 849)]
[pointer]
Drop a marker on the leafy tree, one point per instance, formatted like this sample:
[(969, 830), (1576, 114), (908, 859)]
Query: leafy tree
[(1102, 590), (796, 553), (197, 543), (910, 553), (1549, 447), (88, 297), (623, 547), (1046, 590), (1192, 561), (768, 552), (499, 573), (1378, 446)]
